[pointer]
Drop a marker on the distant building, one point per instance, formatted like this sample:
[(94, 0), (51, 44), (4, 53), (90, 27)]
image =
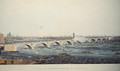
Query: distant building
[(9, 36), (1, 38)]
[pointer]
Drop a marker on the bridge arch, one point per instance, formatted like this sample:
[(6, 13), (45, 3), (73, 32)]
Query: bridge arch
[(98, 39), (27, 45), (54, 43), (104, 39), (57, 43), (67, 42), (93, 40), (40, 44), (45, 44)]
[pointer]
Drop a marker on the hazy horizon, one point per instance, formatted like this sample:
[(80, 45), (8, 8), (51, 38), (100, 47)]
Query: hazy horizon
[(60, 17)]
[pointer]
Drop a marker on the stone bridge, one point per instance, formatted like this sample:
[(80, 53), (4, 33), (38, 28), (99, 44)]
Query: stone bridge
[(31, 45), (98, 39)]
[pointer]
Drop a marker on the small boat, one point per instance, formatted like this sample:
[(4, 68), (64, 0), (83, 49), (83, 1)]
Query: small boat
[(86, 52)]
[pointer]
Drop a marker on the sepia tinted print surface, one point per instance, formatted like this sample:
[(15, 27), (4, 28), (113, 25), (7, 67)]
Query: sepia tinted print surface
[(59, 32)]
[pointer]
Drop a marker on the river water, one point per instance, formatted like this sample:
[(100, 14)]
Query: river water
[(101, 50)]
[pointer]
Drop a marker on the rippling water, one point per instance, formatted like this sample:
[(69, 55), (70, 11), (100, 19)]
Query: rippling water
[(93, 50)]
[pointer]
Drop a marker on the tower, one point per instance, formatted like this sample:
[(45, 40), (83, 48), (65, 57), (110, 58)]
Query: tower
[(73, 35)]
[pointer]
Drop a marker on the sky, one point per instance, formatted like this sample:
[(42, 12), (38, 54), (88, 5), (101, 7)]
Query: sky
[(60, 17)]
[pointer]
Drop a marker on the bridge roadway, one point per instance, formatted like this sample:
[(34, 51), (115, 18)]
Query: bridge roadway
[(31, 44)]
